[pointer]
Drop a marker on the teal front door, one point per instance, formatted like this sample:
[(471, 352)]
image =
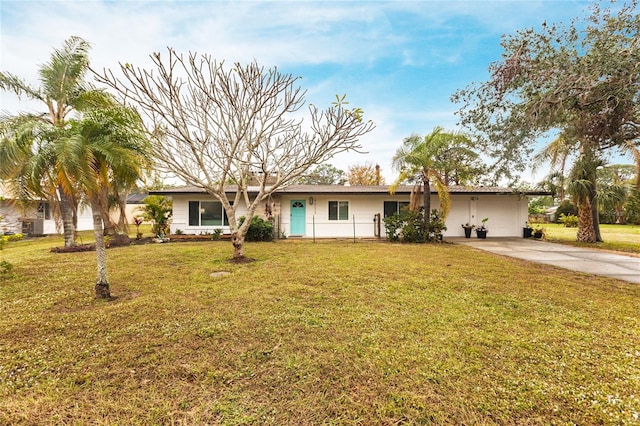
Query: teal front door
[(298, 217)]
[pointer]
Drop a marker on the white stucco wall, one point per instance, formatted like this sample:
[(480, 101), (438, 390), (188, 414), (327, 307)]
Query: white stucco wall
[(507, 214), (10, 220), (180, 219), (362, 210)]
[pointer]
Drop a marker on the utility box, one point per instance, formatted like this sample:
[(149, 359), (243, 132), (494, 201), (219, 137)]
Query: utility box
[(33, 227)]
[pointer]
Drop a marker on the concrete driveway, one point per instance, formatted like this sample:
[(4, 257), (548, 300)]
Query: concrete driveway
[(579, 259)]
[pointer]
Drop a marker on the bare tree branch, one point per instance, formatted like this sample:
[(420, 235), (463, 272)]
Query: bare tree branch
[(214, 125)]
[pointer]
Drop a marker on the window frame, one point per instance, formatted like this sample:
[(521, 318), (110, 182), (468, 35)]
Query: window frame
[(399, 206), (202, 210), (337, 215), (44, 210)]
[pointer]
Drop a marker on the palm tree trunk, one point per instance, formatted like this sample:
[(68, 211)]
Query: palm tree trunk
[(123, 224), (66, 213), (586, 231), (594, 212), (102, 281), (426, 200)]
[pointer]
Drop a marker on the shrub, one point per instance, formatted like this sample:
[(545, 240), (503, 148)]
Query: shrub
[(570, 221), (259, 229), (567, 208), (158, 211), (632, 208), (436, 225), (393, 226), (5, 268), (408, 227)]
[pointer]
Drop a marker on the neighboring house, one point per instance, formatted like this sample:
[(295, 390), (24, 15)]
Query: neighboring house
[(133, 208), (36, 217), (335, 211)]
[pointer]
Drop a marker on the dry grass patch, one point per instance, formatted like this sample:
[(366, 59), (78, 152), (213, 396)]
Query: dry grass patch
[(335, 333)]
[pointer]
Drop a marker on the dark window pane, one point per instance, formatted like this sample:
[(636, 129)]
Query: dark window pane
[(194, 213), (211, 214), (333, 210), (390, 208), (343, 210)]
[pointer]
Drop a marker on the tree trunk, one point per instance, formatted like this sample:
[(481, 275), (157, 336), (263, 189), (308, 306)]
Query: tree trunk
[(586, 231), (66, 213), (102, 281), (426, 201), (237, 239), (594, 213), (123, 224)]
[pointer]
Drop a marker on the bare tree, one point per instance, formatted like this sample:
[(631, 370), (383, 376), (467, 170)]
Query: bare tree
[(218, 128)]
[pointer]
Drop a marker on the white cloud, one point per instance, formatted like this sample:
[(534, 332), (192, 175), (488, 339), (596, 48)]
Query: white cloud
[(399, 61)]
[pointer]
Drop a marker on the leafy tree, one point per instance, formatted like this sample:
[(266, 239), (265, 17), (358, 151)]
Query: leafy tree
[(538, 205), (32, 155), (324, 174), (458, 162), (556, 154), (615, 184), (218, 127), (365, 174), (632, 207), (581, 80)]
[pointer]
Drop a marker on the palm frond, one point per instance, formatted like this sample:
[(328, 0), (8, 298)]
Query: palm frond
[(13, 83), (62, 78)]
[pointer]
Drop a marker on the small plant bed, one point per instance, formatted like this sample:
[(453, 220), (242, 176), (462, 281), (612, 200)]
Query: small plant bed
[(74, 249), (190, 237)]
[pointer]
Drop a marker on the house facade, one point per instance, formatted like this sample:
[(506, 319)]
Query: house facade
[(35, 217), (336, 211)]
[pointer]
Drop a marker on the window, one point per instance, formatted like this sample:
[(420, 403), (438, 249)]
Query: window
[(393, 207), (338, 210), (44, 210), (207, 213)]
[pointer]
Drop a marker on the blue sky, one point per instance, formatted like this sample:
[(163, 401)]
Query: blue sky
[(398, 61)]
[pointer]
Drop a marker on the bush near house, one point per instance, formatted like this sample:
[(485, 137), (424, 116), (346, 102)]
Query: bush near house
[(259, 229), (409, 227), (567, 208)]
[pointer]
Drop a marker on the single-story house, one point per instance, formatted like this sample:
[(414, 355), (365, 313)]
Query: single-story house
[(36, 217), (337, 211)]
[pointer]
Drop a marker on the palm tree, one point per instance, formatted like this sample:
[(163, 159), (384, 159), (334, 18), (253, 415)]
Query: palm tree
[(416, 162), (556, 153), (30, 149), (157, 210), (582, 187), (633, 148), (110, 151)]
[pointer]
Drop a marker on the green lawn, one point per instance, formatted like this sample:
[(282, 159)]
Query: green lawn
[(326, 333), (625, 238)]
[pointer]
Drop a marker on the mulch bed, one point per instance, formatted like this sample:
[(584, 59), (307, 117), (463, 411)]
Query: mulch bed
[(175, 238), (190, 237), (74, 249)]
